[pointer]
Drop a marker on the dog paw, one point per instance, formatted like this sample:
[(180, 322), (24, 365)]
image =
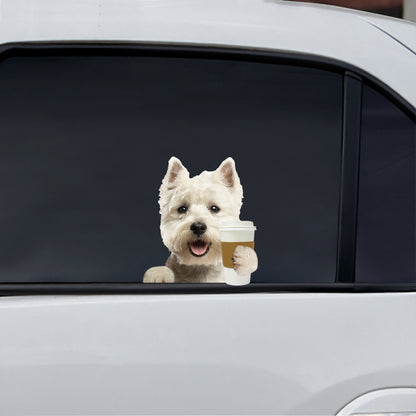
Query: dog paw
[(160, 274), (244, 260)]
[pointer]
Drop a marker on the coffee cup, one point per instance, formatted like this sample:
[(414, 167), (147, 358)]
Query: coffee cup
[(233, 234)]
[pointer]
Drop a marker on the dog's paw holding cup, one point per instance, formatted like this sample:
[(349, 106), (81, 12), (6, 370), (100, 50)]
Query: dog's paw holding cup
[(244, 260), (238, 255)]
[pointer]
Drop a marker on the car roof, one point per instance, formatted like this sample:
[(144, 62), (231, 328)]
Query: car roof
[(384, 47)]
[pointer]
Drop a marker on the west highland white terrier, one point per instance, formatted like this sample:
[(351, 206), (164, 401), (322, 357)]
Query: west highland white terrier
[(192, 210)]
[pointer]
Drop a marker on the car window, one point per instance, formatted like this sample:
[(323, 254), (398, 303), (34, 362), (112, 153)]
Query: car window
[(85, 142), (386, 200)]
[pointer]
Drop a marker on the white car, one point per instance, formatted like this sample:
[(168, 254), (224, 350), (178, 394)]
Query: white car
[(317, 106)]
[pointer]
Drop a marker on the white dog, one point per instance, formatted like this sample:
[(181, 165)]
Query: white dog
[(191, 212)]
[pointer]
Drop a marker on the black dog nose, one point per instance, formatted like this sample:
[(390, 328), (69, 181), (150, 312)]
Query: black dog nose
[(198, 228)]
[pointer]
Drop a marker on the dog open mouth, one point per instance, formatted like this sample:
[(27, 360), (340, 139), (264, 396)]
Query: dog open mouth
[(199, 248)]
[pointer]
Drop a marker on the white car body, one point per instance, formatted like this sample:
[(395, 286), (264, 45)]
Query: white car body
[(246, 353)]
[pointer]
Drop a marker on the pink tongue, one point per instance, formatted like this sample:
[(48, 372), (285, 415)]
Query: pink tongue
[(199, 249)]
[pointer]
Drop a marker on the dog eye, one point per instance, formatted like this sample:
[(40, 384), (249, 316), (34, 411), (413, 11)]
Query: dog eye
[(214, 209), (182, 209)]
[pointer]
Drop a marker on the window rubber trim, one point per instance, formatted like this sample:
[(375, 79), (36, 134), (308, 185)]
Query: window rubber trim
[(350, 160), (353, 78), (25, 289)]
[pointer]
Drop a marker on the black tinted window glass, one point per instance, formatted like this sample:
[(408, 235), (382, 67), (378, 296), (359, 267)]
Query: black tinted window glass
[(85, 141), (386, 207)]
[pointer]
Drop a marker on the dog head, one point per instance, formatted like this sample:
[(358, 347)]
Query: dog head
[(192, 209)]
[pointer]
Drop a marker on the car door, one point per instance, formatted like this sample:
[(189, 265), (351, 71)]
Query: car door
[(325, 156)]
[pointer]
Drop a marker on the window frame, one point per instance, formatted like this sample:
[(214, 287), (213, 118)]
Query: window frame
[(350, 144)]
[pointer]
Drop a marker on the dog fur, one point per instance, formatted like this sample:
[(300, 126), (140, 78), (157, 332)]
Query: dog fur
[(192, 210)]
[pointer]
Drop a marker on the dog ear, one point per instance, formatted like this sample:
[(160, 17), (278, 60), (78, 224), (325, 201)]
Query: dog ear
[(175, 171), (228, 175)]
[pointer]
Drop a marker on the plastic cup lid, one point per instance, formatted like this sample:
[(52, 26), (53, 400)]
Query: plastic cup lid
[(237, 224)]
